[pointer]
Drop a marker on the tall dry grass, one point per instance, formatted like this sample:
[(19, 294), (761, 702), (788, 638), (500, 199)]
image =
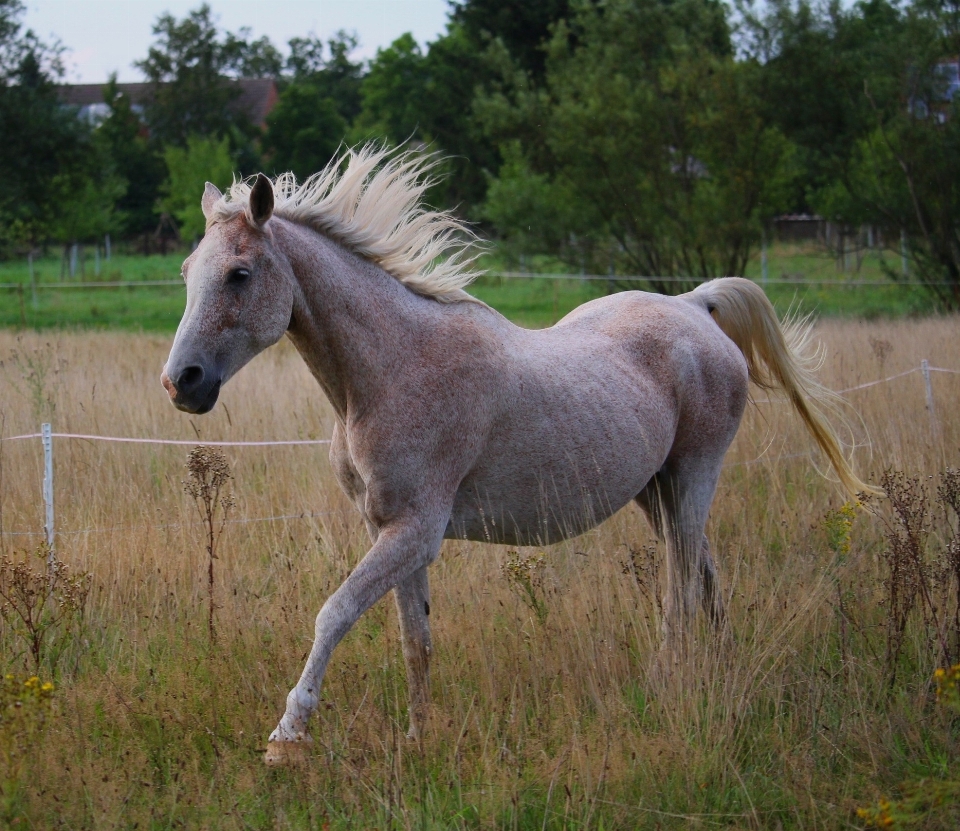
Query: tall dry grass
[(540, 720)]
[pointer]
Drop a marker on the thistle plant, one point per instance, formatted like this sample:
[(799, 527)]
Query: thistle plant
[(43, 602), (209, 476)]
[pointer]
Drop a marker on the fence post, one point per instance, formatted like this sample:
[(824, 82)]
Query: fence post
[(47, 438), (764, 271), (33, 279), (106, 247), (925, 369)]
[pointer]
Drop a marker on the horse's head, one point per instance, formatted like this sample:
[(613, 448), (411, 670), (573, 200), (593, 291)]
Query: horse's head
[(239, 300)]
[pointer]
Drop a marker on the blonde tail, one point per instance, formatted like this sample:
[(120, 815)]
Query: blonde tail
[(779, 357)]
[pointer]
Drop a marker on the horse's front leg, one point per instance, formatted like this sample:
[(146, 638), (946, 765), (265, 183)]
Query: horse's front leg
[(403, 548)]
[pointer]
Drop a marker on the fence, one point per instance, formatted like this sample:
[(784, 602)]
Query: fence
[(46, 435)]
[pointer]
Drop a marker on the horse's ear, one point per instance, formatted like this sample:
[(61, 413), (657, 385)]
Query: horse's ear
[(261, 200), (211, 195)]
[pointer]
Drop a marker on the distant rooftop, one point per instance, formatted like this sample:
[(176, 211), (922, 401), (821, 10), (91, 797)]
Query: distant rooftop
[(257, 98)]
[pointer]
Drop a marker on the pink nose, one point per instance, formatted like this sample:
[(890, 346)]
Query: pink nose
[(168, 384)]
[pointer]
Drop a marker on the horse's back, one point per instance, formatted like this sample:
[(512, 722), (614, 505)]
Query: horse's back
[(590, 409)]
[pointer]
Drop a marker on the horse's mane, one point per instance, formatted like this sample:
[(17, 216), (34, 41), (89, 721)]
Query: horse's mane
[(371, 201)]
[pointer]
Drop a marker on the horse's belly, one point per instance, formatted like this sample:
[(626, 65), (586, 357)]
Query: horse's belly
[(530, 505)]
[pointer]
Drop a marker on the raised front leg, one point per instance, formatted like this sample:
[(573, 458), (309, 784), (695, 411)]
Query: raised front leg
[(413, 608), (403, 549)]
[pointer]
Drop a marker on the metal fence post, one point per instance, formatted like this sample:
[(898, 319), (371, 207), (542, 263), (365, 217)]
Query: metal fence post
[(925, 369), (47, 438)]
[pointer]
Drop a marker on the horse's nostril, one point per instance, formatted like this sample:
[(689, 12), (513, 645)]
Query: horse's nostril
[(190, 379)]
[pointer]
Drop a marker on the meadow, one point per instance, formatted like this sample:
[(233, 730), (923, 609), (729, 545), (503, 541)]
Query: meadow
[(544, 713), (802, 276)]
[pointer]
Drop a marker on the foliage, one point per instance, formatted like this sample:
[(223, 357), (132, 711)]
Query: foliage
[(25, 710), (522, 28), (303, 131), (329, 70), (123, 139), (525, 576), (921, 586), (409, 95), (191, 68), (43, 603), (861, 90), (649, 140), (927, 803), (39, 370), (202, 160), (45, 147)]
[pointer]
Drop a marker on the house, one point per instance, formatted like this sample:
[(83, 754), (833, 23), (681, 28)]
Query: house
[(258, 96)]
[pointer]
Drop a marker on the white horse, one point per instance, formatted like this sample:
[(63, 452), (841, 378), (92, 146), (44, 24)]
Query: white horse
[(452, 422)]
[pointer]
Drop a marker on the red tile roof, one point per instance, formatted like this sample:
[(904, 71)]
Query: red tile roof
[(257, 98)]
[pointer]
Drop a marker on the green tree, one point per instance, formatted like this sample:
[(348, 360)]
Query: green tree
[(522, 27), (189, 168), (862, 92), (192, 68), (648, 142), (45, 147), (316, 105), (330, 70), (394, 93), (122, 138), (303, 131)]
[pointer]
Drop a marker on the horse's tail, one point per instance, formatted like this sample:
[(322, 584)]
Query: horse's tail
[(779, 357)]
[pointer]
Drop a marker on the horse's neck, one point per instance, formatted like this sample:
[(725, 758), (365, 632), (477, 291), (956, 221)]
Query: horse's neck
[(351, 320)]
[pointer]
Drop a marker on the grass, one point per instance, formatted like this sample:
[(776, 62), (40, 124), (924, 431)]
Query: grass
[(540, 720), (530, 302)]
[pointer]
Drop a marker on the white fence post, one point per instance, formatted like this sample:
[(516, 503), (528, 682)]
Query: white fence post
[(47, 438), (925, 369)]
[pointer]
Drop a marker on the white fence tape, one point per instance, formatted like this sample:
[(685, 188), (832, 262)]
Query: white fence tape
[(48, 490), (191, 442)]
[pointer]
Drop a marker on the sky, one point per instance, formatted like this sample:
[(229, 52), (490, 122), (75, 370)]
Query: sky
[(105, 36)]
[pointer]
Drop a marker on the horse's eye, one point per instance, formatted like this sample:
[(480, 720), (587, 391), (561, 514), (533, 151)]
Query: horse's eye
[(237, 276)]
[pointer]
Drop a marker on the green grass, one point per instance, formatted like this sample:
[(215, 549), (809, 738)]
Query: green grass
[(144, 308), (793, 273)]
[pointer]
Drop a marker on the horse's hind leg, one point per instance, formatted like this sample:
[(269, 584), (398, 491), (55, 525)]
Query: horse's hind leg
[(677, 502), (413, 607)]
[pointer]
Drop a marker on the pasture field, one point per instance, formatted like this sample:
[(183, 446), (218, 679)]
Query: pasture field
[(544, 712), (531, 302)]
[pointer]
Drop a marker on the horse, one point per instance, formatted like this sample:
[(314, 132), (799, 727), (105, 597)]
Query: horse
[(451, 421)]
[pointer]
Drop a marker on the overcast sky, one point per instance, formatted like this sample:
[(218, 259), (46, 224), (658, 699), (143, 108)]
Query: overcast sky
[(106, 36)]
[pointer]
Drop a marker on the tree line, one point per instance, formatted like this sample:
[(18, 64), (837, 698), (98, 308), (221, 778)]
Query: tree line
[(653, 137)]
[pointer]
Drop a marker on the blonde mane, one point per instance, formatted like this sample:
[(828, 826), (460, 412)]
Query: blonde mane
[(371, 201)]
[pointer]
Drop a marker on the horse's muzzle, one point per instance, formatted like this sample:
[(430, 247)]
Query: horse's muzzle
[(194, 390)]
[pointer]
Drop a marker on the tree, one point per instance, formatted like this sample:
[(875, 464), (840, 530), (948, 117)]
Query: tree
[(862, 92), (45, 147), (316, 105), (394, 92), (192, 69), (122, 139), (202, 160), (303, 131), (522, 27), (646, 140), (336, 77)]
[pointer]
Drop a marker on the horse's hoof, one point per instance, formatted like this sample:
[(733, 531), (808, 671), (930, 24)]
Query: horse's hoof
[(287, 754)]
